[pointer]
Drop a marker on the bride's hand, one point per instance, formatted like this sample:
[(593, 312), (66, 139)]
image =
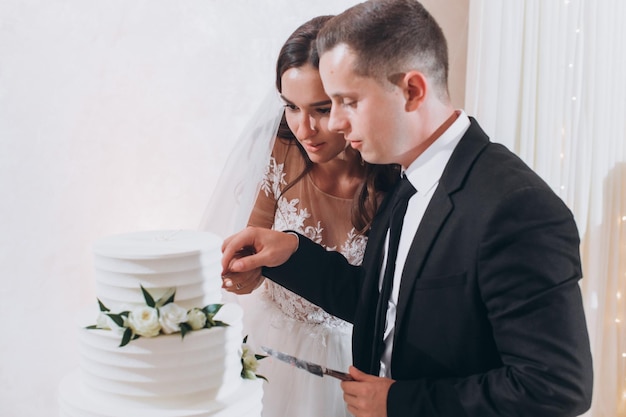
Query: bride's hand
[(242, 282), (245, 253)]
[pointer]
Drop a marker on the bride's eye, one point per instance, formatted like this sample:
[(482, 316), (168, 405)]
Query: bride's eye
[(291, 107), (323, 110)]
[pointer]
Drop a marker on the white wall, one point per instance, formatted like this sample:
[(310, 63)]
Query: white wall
[(115, 116)]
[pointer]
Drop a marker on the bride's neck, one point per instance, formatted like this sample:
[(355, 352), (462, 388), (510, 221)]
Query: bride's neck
[(341, 176)]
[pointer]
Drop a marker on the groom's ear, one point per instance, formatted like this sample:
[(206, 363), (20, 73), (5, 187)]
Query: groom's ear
[(415, 88)]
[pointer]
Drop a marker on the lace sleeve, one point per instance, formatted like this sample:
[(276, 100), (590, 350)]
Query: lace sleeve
[(285, 159), (263, 212)]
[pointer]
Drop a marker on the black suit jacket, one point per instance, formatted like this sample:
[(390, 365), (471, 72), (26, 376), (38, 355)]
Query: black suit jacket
[(490, 319)]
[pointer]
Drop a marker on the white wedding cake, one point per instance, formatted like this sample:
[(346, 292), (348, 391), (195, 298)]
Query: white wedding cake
[(146, 367)]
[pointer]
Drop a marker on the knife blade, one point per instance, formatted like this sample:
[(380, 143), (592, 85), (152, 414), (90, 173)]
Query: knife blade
[(311, 367)]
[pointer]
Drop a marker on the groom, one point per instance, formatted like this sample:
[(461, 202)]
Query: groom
[(477, 310)]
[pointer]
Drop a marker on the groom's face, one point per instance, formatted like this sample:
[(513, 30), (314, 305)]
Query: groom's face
[(368, 113)]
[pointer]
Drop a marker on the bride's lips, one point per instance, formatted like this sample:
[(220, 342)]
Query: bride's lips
[(311, 147)]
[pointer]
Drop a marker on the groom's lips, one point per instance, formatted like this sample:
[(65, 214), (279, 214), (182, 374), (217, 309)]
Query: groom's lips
[(356, 144)]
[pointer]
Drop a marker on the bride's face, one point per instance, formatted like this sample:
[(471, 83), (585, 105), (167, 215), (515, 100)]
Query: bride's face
[(307, 108)]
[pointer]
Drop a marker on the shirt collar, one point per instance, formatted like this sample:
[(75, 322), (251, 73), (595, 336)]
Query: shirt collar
[(425, 171)]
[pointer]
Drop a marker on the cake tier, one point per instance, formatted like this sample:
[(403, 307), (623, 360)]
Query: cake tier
[(186, 260), (166, 375), (167, 369), (77, 400)]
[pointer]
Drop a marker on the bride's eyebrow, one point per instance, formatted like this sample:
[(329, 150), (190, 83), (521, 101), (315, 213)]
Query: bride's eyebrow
[(316, 104), (321, 103)]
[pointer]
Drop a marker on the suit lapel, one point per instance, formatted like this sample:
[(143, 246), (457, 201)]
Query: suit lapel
[(372, 262), (438, 210)]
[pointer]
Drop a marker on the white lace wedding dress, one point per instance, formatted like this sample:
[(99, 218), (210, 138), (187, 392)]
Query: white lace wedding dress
[(278, 318)]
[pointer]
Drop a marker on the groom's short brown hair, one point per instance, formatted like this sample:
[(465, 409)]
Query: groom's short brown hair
[(390, 37)]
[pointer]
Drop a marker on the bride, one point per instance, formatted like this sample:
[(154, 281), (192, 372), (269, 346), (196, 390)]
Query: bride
[(316, 184)]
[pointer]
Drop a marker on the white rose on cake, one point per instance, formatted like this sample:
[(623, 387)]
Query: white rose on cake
[(249, 362), (171, 315), (105, 322), (196, 318), (158, 316), (144, 321)]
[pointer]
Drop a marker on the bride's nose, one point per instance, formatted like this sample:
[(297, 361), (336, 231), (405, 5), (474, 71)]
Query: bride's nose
[(307, 127)]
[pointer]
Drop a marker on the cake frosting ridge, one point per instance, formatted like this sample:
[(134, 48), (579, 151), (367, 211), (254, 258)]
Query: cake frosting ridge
[(167, 375), (158, 260)]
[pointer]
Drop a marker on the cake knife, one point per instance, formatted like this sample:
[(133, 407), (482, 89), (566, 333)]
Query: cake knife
[(313, 368)]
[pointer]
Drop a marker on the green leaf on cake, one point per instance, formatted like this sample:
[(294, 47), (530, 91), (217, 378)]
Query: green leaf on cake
[(212, 309), (127, 337), (166, 298), (184, 329), (146, 295), (118, 318), (103, 308)]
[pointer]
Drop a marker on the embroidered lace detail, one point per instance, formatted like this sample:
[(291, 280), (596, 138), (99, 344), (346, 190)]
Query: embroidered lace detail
[(354, 247), (273, 178), (289, 216), (298, 308)]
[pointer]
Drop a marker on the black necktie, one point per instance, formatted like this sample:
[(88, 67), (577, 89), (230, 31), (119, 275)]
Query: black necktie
[(403, 192)]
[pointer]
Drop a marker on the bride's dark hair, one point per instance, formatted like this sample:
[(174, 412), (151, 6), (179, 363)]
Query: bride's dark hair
[(300, 49)]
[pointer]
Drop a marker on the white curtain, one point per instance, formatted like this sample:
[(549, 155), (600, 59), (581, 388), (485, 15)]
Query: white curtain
[(547, 78)]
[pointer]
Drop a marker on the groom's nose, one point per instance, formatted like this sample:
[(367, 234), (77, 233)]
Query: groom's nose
[(338, 122)]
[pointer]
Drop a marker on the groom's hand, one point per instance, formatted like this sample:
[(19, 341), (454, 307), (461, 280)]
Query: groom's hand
[(244, 253), (366, 396)]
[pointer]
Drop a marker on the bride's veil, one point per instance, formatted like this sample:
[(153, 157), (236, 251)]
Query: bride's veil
[(234, 195)]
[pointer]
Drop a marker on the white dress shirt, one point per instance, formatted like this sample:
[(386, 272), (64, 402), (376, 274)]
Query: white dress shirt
[(424, 174)]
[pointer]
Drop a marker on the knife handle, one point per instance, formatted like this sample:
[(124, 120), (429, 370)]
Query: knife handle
[(339, 375)]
